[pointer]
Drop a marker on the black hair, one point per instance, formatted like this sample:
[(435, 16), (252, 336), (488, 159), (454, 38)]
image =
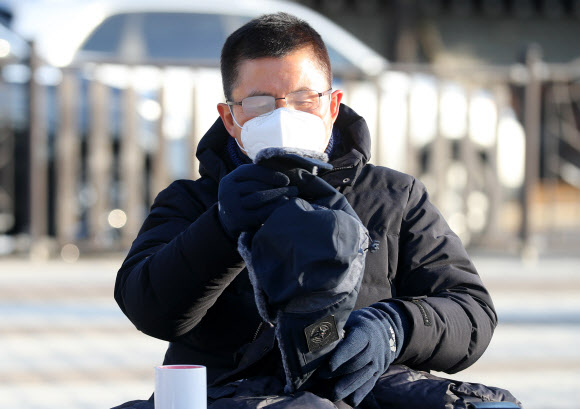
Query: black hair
[(271, 35)]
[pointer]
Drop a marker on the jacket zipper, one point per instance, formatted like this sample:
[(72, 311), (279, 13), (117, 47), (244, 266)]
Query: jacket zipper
[(339, 168), (426, 320), (258, 331)]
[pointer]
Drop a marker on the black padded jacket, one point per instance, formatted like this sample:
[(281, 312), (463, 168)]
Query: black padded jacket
[(184, 280)]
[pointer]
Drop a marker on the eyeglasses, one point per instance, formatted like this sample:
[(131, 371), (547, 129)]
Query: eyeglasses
[(263, 104)]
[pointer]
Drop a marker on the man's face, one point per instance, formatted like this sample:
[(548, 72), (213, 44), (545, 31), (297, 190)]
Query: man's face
[(277, 77)]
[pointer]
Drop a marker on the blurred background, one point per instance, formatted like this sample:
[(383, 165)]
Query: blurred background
[(102, 104)]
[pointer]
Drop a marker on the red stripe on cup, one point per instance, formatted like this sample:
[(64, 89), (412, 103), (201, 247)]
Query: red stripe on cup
[(180, 366)]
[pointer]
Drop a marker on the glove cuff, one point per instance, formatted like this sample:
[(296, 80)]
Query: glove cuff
[(399, 322)]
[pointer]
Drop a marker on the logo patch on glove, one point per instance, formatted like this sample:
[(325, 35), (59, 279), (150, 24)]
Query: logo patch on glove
[(321, 333), (392, 342)]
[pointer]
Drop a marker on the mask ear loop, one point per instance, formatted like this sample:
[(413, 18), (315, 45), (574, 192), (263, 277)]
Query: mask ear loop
[(236, 122)]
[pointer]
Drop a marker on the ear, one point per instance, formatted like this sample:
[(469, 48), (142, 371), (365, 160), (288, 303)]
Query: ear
[(226, 117), (335, 99)]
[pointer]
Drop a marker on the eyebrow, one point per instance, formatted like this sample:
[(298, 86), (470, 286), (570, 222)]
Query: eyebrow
[(259, 94), (268, 94)]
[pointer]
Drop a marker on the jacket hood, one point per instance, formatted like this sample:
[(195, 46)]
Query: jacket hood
[(354, 148)]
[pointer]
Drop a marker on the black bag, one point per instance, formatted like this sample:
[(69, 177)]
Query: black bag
[(404, 388)]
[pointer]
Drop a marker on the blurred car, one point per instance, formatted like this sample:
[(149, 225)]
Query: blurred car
[(121, 42), (170, 31)]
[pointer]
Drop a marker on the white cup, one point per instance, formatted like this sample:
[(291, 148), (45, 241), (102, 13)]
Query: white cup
[(180, 387)]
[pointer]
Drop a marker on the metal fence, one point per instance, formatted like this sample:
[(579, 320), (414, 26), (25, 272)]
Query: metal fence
[(7, 205), (96, 165)]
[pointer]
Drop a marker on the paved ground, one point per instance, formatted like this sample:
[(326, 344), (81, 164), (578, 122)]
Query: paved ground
[(65, 344)]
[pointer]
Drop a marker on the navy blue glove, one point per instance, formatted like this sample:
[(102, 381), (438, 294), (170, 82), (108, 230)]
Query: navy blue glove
[(302, 172), (249, 194), (373, 339)]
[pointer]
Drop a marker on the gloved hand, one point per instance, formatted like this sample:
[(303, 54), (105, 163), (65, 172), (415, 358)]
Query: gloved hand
[(373, 339), (302, 172), (248, 195)]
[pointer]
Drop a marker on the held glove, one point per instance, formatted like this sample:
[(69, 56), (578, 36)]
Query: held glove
[(248, 195), (373, 340), (306, 266)]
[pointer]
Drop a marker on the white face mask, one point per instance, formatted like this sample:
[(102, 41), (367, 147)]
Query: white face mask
[(283, 128)]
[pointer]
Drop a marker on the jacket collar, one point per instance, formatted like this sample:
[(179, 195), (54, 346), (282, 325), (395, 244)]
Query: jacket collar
[(352, 154), (354, 151), (211, 152), (356, 140)]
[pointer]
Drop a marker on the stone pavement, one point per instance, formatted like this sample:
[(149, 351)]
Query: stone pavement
[(65, 344)]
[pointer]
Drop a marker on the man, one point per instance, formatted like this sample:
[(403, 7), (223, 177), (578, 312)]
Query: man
[(421, 302)]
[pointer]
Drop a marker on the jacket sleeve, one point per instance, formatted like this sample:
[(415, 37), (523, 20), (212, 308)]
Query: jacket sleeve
[(451, 314), (177, 267)]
